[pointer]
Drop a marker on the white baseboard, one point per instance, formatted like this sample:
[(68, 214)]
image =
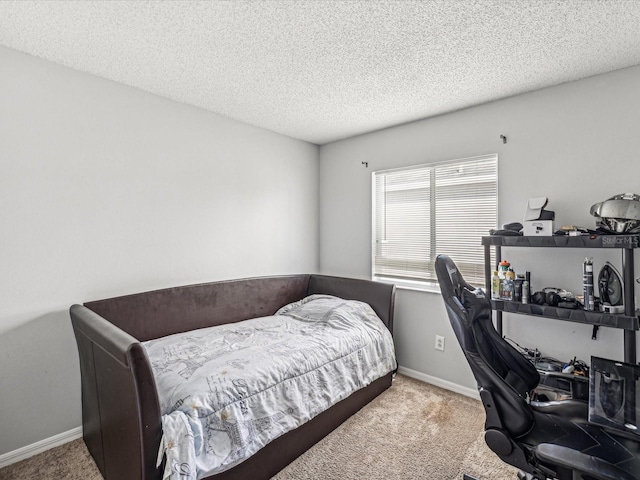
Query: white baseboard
[(39, 447), (439, 382)]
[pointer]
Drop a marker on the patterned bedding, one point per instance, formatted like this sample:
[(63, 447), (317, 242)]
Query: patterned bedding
[(227, 391)]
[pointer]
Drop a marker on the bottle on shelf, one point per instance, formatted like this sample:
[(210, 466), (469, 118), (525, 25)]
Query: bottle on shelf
[(495, 286), (503, 267), (587, 284), (517, 288), (525, 291), (507, 285)]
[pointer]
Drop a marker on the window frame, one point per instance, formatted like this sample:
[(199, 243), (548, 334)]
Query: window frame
[(425, 284)]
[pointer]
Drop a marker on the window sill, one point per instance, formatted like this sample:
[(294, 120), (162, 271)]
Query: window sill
[(413, 285)]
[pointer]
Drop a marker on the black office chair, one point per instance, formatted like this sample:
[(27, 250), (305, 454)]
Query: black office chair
[(542, 439)]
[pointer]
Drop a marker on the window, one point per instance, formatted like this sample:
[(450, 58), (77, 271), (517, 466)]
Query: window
[(419, 212)]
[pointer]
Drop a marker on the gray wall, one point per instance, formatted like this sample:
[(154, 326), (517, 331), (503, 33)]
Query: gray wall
[(576, 144), (107, 190)]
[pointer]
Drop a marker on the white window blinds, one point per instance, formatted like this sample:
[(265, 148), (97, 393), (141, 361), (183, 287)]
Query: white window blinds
[(419, 212)]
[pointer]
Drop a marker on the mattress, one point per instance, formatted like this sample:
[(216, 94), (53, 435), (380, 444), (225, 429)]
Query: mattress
[(227, 391)]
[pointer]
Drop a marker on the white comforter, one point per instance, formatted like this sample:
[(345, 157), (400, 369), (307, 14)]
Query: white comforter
[(227, 391)]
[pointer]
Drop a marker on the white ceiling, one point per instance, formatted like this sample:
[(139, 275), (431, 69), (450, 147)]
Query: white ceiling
[(326, 70)]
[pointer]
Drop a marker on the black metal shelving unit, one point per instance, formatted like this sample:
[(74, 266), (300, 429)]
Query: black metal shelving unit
[(628, 321)]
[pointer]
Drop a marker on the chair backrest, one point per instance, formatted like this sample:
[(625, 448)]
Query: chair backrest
[(496, 365)]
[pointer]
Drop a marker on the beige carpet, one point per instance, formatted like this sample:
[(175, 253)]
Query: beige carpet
[(412, 431)]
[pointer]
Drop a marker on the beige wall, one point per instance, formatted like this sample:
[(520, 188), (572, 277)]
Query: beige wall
[(107, 190)]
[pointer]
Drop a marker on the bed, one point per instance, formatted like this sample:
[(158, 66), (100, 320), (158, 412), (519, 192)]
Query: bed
[(123, 408)]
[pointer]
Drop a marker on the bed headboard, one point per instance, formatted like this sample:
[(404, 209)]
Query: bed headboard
[(156, 314)]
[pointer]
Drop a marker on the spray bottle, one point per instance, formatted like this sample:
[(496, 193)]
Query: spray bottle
[(587, 284)]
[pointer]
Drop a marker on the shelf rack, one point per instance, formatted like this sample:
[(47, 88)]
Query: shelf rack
[(628, 321)]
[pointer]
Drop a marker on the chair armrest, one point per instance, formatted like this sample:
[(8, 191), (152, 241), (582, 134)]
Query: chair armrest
[(594, 467), (569, 409)]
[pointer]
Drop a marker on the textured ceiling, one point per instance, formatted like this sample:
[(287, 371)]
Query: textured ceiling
[(327, 70)]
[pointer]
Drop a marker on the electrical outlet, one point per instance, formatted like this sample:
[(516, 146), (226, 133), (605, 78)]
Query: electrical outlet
[(439, 342)]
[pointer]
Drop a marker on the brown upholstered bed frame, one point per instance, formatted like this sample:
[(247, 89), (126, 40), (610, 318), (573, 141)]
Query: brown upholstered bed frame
[(120, 408)]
